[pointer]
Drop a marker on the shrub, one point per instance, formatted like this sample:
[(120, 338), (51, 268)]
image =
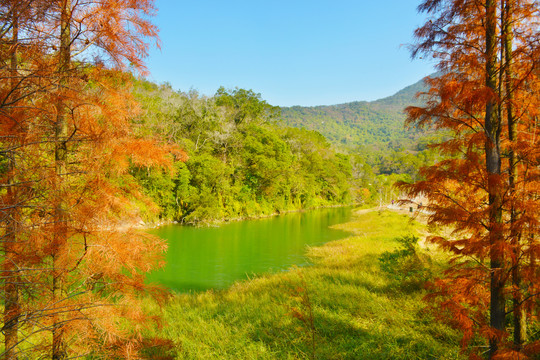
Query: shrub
[(407, 264)]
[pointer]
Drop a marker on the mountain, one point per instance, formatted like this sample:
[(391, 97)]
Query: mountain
[(374, 124)]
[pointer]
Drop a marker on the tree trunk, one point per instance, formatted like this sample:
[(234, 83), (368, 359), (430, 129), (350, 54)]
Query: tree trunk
[(493, 167), (61, 136), (518, 310), (11, 287)]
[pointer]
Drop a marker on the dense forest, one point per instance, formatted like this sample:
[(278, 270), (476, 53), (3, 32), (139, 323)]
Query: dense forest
[(240, 161), (374, 132), (247, 158), (371, 124)]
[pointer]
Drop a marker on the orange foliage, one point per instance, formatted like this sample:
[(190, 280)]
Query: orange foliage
[(78, 276), (490, 202)]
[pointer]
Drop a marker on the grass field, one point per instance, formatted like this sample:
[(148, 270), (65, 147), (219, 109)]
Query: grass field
[(344, 306)]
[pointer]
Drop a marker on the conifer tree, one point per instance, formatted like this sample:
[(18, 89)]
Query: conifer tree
[(81, 277), (18, 71), (485, 190)]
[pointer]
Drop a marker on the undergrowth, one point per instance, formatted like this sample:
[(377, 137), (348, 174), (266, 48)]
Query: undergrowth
[(408, 265)]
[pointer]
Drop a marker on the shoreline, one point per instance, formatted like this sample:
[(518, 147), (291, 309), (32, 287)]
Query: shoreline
[(216, 223)]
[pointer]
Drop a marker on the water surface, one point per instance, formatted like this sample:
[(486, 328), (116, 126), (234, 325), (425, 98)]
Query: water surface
[(216, 257)]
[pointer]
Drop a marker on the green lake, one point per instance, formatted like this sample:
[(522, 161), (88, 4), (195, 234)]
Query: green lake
[(215, 257)]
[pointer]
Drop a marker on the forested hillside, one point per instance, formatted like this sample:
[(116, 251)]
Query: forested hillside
[(374, 133), (375, 124), (240, 162), (247, 158), (382, 148)]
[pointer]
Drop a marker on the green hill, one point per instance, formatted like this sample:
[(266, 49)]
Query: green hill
[(373, 124)]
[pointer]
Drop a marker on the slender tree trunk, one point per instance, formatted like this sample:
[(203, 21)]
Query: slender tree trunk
[(61, 135), (493, 167), (11, 287), (520, 324)]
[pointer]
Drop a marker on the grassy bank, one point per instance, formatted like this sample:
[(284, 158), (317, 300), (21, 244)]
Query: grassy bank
[(342, 307)]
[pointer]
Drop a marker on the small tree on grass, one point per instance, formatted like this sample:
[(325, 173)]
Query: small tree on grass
[(407, 264)]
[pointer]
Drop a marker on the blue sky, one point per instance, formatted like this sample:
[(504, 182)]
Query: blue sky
[(294, 52)]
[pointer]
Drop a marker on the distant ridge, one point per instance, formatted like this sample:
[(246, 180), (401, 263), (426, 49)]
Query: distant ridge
[(360, 123), (404, 97)]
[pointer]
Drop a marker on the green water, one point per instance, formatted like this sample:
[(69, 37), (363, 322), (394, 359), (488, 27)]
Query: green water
[(216, 257)]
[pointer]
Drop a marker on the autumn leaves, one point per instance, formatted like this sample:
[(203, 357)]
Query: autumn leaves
[(67, 143), (487, 189)]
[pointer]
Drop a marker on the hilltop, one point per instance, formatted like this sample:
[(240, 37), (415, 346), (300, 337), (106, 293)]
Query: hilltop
[(361, 123)]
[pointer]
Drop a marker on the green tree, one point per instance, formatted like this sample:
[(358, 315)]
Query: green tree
[(245, 105)]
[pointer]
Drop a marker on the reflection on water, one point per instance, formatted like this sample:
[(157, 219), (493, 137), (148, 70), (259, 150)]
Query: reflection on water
[(205, 258)]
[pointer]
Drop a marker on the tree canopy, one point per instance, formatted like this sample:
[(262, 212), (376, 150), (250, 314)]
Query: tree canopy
[(242, 163)]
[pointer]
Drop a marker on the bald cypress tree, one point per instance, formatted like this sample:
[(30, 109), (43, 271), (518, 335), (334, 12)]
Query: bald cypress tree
[(484, 190)]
